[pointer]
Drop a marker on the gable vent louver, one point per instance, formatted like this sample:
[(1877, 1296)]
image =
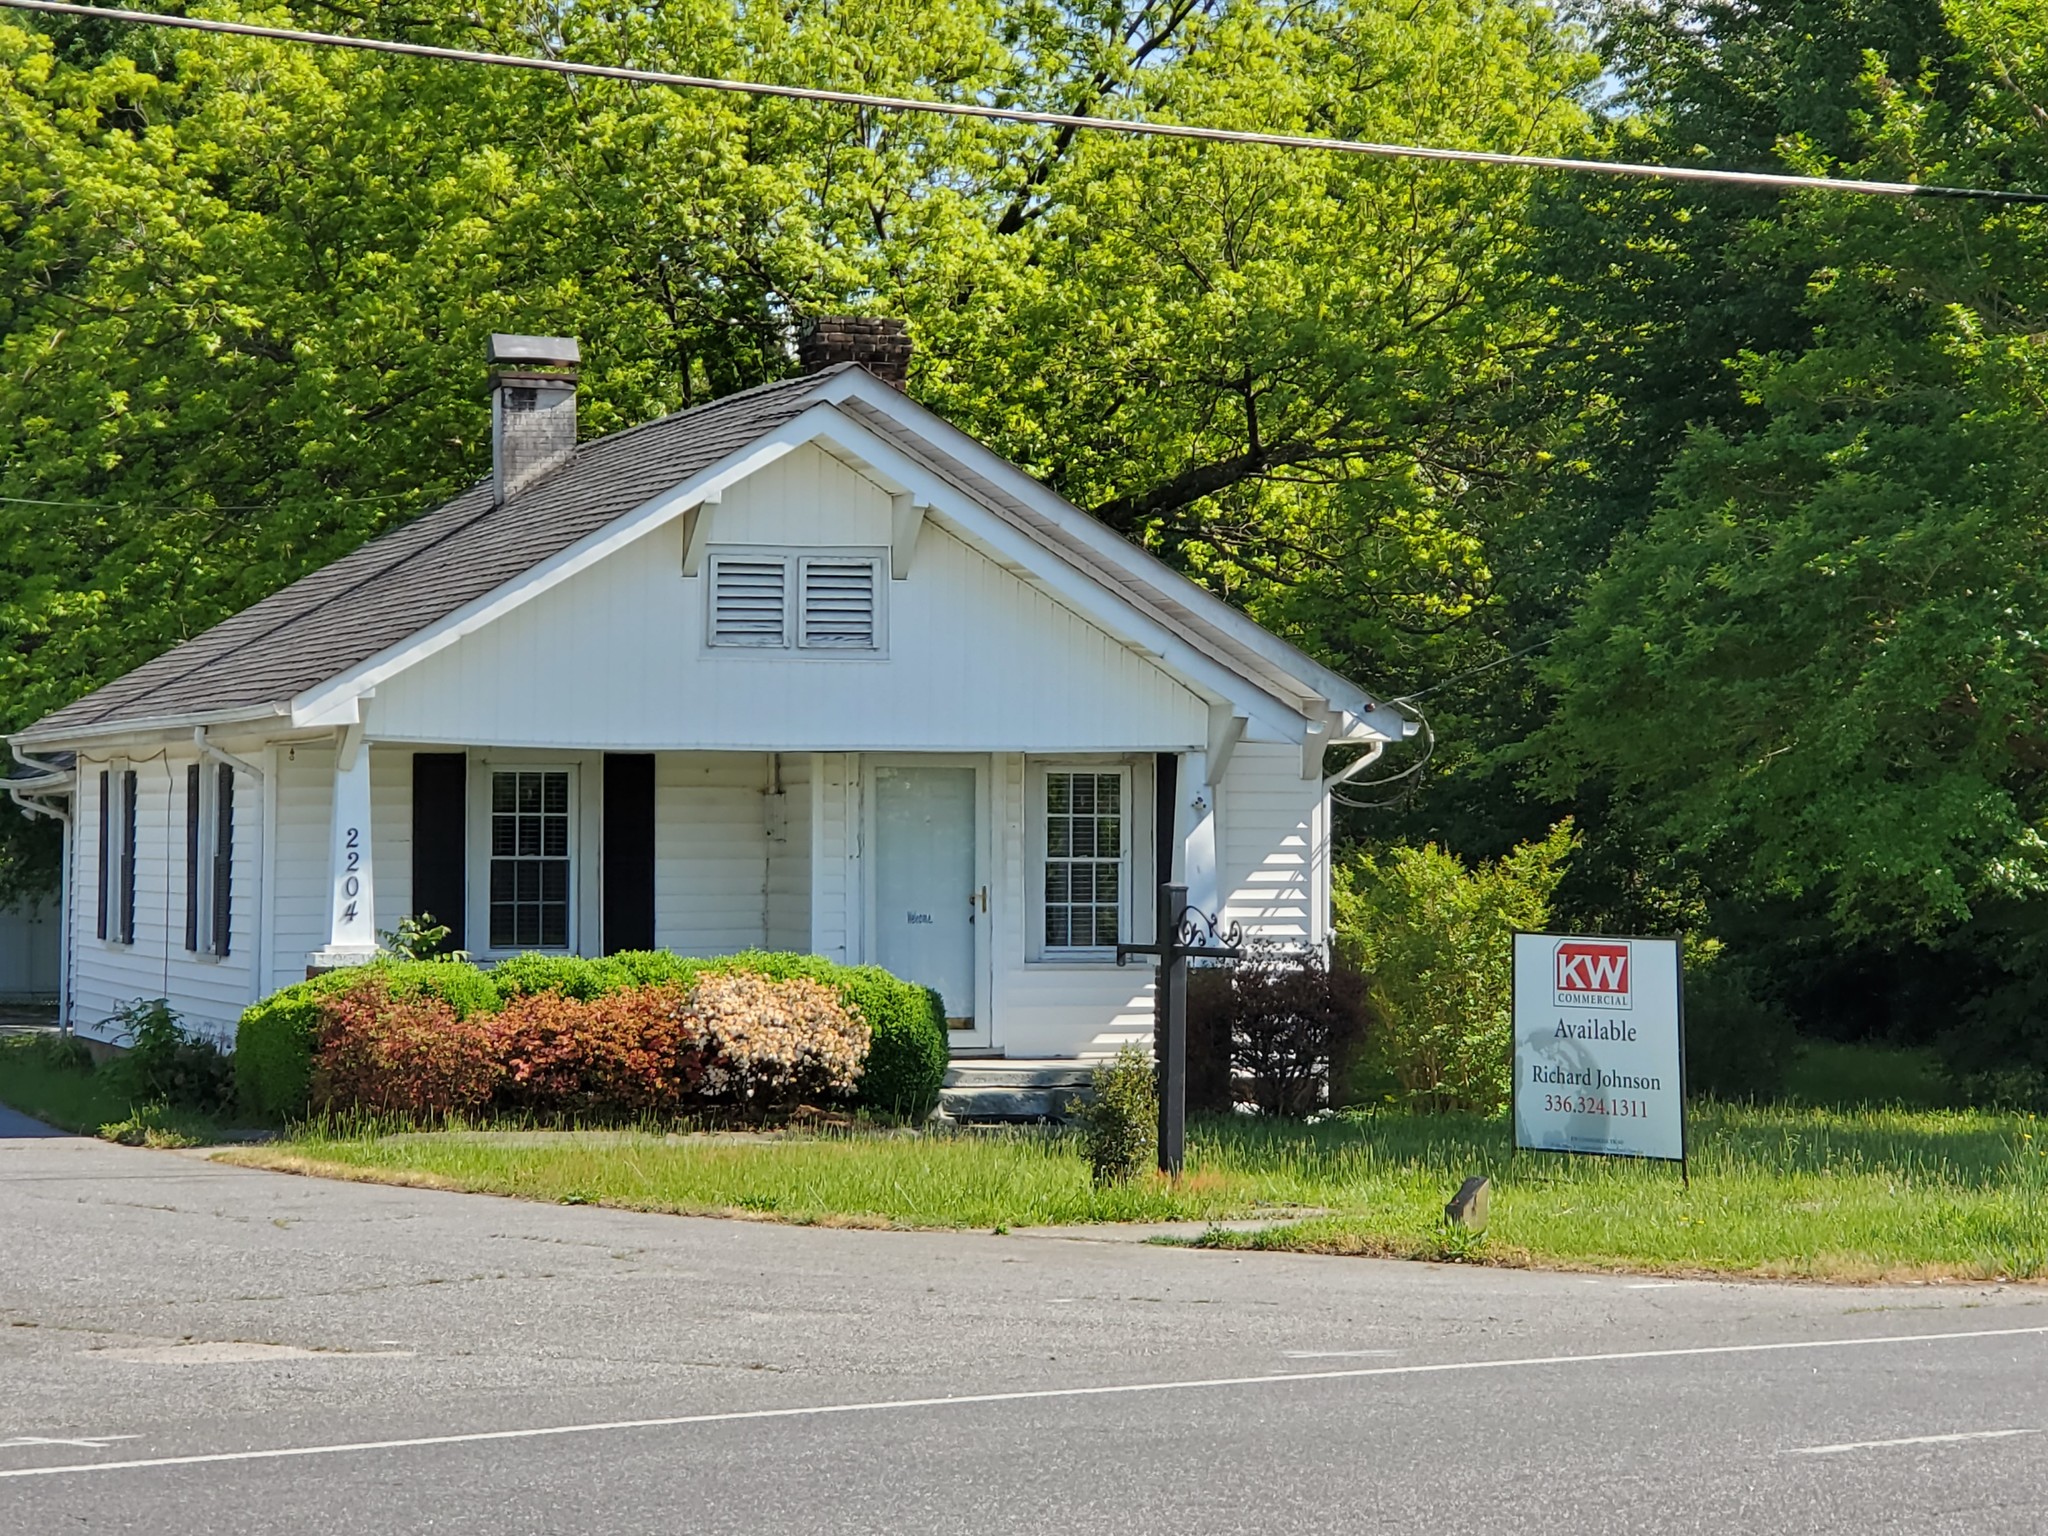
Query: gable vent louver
[(750, 601), (839, 602)]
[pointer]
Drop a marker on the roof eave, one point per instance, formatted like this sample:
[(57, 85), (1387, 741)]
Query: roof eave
[(37, 735)]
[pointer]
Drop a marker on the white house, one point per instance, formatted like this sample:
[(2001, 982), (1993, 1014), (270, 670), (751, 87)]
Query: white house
[(803, 668)]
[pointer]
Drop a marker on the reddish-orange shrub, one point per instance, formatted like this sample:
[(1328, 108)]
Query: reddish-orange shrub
[(378, 1050), (628, 1053)]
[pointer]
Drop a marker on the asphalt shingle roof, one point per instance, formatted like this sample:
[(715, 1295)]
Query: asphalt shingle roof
[(402, 581)]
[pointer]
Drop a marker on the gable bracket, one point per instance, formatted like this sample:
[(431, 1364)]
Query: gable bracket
[(906, 521), (697, 533)]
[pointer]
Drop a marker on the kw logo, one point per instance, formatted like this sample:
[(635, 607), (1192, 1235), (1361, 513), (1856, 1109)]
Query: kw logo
[(1591, 974)]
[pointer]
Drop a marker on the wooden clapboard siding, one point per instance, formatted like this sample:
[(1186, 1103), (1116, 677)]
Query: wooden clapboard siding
[(208, 991), (1274, 845), (976, 658), (304, 810), (711, 845)]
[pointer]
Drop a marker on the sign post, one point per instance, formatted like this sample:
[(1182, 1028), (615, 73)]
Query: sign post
[(1600, 1046), (1178, 932)]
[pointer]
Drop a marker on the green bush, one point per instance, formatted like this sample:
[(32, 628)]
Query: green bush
[(168, 1063), (62, 1053), (533, 975), (1120, 1119), (1436, 939), (274, 1041), (904, 1070)]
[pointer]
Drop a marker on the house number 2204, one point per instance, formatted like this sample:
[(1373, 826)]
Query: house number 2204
[(351, 882)]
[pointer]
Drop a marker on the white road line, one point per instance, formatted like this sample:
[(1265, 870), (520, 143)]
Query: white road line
[(1043, 1394), (1337, 1354), (1881, 1445)]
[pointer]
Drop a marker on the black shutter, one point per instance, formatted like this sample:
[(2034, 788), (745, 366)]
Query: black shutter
[(628, 851), (106, 848), (1165, 792), (440, 798), (223, 861), (128, 857), (192, 856)]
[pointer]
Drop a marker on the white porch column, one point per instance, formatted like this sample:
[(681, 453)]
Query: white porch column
[(352, 925), (1194, 827)]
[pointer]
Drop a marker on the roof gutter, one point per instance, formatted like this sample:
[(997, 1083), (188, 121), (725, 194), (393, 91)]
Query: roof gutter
[(51, 779)]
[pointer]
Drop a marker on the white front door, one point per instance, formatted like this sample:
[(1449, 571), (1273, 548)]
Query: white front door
[(927, 896)]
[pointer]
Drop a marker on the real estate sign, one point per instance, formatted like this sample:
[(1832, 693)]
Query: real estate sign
[(1599, 1046)]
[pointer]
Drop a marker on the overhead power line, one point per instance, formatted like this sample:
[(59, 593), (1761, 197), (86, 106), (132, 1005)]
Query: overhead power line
[(1136, 127)]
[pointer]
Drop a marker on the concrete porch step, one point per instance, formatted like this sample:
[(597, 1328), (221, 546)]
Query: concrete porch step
[(999, 1088)]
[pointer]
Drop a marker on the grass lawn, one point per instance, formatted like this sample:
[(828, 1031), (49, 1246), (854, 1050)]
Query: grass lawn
[(102, 1102), (1777, 1191), (1827, 1072)]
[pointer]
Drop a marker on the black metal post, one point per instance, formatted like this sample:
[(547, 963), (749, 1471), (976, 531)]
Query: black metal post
[(1172, 1005)]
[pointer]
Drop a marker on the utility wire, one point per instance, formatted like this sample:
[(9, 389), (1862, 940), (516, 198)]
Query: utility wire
[(1765, 179)]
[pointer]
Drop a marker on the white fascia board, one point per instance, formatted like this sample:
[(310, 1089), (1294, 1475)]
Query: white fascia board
[(147, 728), (1075, 589), (332, 702), (1101, 540)]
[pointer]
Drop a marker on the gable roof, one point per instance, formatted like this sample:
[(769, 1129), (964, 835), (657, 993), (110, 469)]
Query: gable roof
[(379, 596), (398, 583)]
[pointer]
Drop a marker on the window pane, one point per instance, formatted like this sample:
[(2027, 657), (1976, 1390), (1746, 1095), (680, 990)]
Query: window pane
[(501, 925), (1108, 838), (1082, 839), (1059, 837), (1107, 878), (529, 793), (554, 841), (1105, 927), (529, 880), (529, 837), (1084, 794), (555, 797), (554, 924), (504, 836), (1056, 928), (1056, 882), (502, 792), (1107, 793), (1081, 881), (554, 880), (502, 888), (1058, 793), (528, 925)]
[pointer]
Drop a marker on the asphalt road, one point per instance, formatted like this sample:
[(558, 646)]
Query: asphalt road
[(186, 1347)]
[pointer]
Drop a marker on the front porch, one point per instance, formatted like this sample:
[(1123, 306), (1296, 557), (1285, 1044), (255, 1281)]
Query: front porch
[(1001, 880)]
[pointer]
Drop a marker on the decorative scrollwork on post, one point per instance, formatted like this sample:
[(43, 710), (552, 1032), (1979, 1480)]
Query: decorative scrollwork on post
[(1201, 934)]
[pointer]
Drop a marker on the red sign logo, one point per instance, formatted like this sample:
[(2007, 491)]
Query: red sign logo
[(1592, 974)]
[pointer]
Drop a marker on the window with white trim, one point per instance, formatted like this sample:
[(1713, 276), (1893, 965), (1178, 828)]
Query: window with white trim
[(532, 830), (821, 602), (1086, 858)]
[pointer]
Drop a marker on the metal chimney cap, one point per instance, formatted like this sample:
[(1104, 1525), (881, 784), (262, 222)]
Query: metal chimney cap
[(560, 350)]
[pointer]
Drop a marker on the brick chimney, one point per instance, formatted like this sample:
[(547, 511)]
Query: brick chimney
[(533, 408), (881, 346)]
